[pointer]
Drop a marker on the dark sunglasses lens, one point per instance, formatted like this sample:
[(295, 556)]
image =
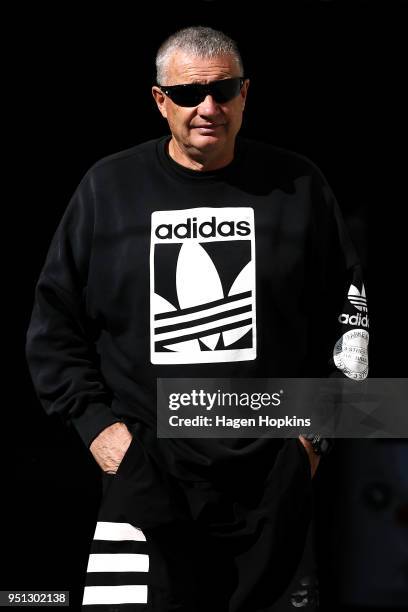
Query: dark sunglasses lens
[(192, 95), (224, 91)]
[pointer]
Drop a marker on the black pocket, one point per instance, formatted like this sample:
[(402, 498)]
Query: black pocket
[(109, 478), (306, 459), (125, 457)]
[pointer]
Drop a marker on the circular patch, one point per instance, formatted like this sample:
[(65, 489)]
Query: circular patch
[(350, 354)]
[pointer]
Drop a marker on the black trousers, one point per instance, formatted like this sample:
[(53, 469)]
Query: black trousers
[(170, 545)]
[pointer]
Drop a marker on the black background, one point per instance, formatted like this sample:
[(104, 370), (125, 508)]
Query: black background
[(327, 81)]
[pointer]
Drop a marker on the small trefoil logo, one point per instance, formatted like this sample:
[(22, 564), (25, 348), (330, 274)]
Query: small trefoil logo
[(357, 298)]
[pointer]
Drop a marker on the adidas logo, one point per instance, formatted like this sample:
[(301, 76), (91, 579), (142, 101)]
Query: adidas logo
[(357, 320), (208, 229), (202, 285), (358, 299)]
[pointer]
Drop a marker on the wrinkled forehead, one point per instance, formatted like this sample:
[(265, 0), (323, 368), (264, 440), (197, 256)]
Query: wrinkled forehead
[(183, 67)]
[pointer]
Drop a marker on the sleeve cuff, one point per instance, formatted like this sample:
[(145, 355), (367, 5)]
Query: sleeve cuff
[(92, 421)]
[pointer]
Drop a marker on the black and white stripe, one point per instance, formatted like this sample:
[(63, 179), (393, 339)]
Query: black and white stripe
[(117, 567), (213, 317)]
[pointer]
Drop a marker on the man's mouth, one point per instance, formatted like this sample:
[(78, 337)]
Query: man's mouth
[(212, 126)]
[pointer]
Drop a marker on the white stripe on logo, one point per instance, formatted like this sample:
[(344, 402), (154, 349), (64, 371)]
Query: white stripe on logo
[(356, 297), (207, 312), (202, 328), (118, 531), (122, 594), (118, 562)]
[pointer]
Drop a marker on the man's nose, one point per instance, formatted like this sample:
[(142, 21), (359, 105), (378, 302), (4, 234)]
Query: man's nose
[(208, 106)]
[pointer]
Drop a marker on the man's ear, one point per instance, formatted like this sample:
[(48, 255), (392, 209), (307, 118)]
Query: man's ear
[(160, 100), (244, 92)]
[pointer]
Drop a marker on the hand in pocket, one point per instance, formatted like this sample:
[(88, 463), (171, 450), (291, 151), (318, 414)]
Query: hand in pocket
[(110, 447), (313, 458)]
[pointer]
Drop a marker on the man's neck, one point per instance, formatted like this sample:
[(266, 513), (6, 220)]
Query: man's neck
[(201, 162)]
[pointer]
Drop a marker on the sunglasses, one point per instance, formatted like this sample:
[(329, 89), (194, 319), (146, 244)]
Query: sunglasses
[(192, 94)]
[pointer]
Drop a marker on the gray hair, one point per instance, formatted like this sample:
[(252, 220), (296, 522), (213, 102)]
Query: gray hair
[(199, 41)]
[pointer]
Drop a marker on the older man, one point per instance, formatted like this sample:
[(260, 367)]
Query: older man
[(199, 254)]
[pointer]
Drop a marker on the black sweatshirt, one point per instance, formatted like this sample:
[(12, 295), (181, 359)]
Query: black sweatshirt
[(157, 270)]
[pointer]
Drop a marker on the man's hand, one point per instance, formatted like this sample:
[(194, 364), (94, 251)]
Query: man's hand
[(313, 458), (110, 446)]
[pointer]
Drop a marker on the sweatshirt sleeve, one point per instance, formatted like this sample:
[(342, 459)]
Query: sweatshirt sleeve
[(60, 339), (349, 346), (339, 313)]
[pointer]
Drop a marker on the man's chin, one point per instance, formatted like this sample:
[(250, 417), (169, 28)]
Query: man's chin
[(205, 142)]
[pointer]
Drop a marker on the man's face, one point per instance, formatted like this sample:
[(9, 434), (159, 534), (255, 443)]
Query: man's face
[(209, 126)]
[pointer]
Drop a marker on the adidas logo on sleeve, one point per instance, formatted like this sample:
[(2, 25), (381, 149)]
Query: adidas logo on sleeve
[(355, 320), (359, 301), (350, 352)]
